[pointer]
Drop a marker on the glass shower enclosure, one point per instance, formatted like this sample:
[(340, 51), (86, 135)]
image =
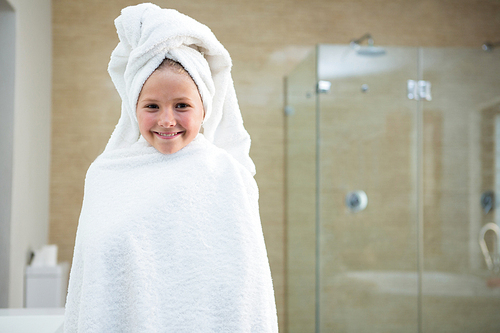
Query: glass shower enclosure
[(392, 166)]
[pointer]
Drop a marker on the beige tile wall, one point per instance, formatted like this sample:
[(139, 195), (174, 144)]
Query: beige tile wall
[(266, 38)]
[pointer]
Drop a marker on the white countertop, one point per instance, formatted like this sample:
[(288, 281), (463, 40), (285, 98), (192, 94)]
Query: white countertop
[(46, 320)]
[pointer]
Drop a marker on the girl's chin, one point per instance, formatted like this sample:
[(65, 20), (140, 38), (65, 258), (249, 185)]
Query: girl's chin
[(168, 149), (170, 146)]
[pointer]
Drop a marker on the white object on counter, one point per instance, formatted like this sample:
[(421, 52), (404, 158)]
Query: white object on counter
[(46, 286), (45, 256)]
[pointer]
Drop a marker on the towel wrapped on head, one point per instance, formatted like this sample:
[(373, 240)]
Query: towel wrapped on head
[(148, 34), (171, 242)]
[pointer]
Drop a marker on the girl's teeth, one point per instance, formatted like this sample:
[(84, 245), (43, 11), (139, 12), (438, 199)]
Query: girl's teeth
[(167, 134)]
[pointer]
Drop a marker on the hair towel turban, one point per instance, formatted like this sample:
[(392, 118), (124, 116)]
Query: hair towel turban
[(148, 34)]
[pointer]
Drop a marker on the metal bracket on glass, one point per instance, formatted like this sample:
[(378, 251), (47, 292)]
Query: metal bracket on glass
[(324, 86), (419, 90)]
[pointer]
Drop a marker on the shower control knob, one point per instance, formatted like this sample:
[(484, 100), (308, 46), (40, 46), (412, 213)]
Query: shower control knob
[(488, 201), (356, 201)]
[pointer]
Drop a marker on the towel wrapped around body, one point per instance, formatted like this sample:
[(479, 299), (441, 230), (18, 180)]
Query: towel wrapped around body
[(156, 252)]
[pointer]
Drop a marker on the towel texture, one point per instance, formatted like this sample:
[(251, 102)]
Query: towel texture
[(171, 243), (160, 252), (148, 34)]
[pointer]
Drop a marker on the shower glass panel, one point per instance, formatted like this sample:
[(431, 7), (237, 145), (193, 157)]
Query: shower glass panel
[(368, 259), (387, 196), (460, 163), (301, 194)]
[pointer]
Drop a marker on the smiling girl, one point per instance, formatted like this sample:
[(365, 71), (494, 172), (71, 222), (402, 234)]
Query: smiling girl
[(169, 237)]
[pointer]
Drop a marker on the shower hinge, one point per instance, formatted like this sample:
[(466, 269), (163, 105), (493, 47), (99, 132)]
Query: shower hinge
[(323, 86), (419, 90)]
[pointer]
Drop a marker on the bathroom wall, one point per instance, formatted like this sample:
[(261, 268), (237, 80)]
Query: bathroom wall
[(266, 39), (31, 115), (7, 63)]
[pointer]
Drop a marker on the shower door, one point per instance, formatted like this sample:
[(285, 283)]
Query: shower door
[(368, 259), (460, 161), (391, 163), (359, 134)]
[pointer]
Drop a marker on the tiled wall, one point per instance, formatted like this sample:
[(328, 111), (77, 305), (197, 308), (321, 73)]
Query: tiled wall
[(266, 39)]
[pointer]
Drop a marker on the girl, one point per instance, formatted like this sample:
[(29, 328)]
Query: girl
[(169, 237)]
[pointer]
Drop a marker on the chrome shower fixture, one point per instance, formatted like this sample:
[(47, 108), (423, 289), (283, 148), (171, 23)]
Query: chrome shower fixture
[(488, 46), (357, 42), (492, 258), (369, 50)]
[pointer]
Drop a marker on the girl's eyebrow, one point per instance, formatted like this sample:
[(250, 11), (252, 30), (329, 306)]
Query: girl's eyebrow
[(182, 98), (147, 98), (153, 98)]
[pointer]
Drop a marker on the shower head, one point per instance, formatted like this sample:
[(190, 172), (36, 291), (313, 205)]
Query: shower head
[(489, 46), (370, 50)]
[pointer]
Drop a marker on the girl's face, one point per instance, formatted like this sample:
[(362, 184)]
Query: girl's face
[(169, 110)]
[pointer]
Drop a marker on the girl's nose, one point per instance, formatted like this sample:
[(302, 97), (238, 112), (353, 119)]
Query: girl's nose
[(167, 118)]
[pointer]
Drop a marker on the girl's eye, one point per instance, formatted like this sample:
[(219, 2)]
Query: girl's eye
[(152, 106), (182, 105)]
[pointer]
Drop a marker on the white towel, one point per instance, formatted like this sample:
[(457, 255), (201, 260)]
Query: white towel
[(148, 34), (170, 243)]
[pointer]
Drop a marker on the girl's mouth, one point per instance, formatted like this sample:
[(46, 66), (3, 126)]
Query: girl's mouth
[(167, 135)]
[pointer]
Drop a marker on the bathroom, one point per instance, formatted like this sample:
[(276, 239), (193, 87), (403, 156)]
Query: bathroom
[(61, 53)]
